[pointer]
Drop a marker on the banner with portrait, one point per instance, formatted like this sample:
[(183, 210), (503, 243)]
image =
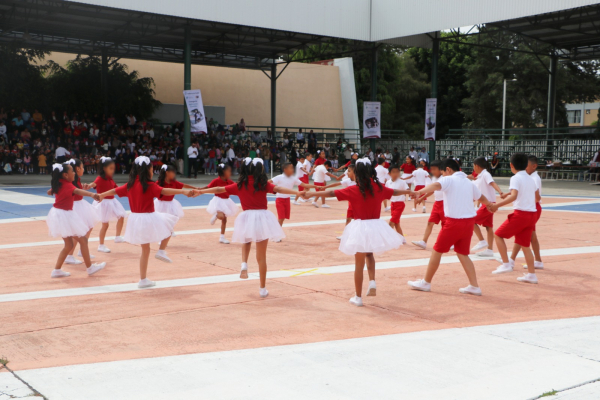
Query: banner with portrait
[(372, 119), (193, 101), (430, 118)]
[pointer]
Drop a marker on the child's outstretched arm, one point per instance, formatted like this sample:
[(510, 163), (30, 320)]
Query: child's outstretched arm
[(507, 200), (497, 188), (172, 192), (326, 193), (111, 192), (282, 190)]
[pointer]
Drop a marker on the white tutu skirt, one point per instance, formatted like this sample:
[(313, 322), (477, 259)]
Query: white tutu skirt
[(172, 207), (256, 226), (408, 181), (109, 210), (226, 206), (145, 228), (369, 236), (63, 223), (87, 213)]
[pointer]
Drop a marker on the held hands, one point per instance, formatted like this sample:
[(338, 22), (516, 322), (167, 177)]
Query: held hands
[(86, 186), (97, 197), (504, 195), (492, 208)]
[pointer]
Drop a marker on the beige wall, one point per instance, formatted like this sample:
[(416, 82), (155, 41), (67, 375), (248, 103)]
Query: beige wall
[(308, 95)]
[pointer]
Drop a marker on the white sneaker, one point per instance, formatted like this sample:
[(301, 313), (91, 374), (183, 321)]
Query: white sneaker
[(59, 273), (119, 239), (356, 301), (510, 261), (225, 241), (295, 203), (528, 278), (146, 283), (103, 249), (372, 291), (325, 206), (339, 238), (536, 265), (420, 285), (314, 203), (72, 260), (81, 255), (162, 256), (244, 271), (420, 244), (414, 210), (387, 209), (424, 210), (213, 219), (481, 245), (489, 253), (263, 292), (95, 268), (301, 200), (277, 241), (503, 269), (403, 239), (470, 290)]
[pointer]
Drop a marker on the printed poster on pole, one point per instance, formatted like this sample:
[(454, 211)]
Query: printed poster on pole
[(430, 118), (371, 119), (193, 100)]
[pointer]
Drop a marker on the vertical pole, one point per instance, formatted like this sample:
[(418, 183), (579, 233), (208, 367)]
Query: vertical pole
[(104, 81), (187, 85), (273, 100), (372, 142), (551, 102), (435, 54), (504, 110)]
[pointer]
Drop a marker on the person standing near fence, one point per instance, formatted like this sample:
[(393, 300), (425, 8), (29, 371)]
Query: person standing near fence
[(494, 164), (193, 159)]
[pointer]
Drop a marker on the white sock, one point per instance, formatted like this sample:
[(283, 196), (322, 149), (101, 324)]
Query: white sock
[(222, 236), (508, 265), (145, 280), (372, 284), (244, 265)]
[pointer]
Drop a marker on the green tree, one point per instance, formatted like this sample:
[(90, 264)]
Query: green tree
[(22, 77)]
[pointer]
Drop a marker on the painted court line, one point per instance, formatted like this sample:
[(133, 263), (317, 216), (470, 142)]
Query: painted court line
[(24, 199), (274, 274)]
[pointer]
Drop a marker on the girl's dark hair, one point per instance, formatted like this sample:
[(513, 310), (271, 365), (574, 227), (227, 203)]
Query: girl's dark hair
[(482, 163), (258, 173), (162, 175), (104, 165), (221, 170), (57, 176), (142, 172), (364, 174), (76, 181), (412, 161)]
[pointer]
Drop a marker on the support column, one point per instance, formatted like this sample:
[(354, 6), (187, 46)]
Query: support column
[(435, 54), (273, 100), (187, 85), (552, 92), (372, 142), (104, 81)]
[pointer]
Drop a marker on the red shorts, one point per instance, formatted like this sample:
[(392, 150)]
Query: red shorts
[(437, 213), (484, 217), (283, 206), (457, 233), (538, 213), (418, 187), (304, 179), (319, 184), (397, 210), (519, 224)]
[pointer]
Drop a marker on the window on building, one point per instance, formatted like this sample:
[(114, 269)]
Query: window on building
[(587, 111), (574, 116)]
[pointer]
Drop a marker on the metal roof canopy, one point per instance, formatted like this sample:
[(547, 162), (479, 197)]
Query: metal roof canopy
[(69, 27)]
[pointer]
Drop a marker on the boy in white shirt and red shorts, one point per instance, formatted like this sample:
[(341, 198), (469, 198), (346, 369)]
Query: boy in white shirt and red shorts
[(437, 212)]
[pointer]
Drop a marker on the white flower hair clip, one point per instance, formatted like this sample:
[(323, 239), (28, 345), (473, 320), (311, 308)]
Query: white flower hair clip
[(105, 159), (71, 161), (364, 160), (247, 160), (164, 167), (221, 165), (57, 166), (142, 160), (257, 161)]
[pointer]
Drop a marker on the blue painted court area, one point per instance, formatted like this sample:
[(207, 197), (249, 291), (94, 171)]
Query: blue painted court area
[(591, 208), (16, 209)]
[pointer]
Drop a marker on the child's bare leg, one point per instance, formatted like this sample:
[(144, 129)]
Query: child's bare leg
[(120, 225), (490, 237), (280, 222), (502, 249), (144, 260), (515, 251), (85, 250), (529, 259), (64, 252), (164, 243), (432, 267), (102, 233), (428, 230), (535, 246), (75, 243), (246, 251), (469, 268), (348, 220), (370, 259), (359, 265), (261, 258), (477, 232)]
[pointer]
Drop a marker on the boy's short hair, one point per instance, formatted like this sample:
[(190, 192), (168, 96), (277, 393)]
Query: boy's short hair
[(519, 161), (450, 163), (436, 163), (380, 160), (327, 163), (481, 162), (287, 164), (307, 154), (301, 156), (532, 159), (393, 167)]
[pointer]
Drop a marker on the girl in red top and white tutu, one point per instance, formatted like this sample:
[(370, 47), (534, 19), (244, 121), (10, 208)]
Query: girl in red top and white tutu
[(255, 223), (221, 206), (63, 222), (109, 209), (145, 225), (346, 181), (367, 233), (85, 210), (167, 178), (407, 169)]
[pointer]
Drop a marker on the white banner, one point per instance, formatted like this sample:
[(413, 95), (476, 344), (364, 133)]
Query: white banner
[(193, 100), (372, 119), (430, 118)]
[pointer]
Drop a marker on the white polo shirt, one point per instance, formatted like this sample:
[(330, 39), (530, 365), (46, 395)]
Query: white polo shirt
[(538, 181), (483, 181), (347, 182), (420, 176), (526, 187), (438, 195), (299, 172), (319, 175), (382, 173), (398, 184), (459, 194), (287, 182)]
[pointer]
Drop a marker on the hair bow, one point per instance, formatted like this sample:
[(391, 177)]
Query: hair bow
[(105, 159), (71, 161), (164, 167), (57, 167), (221, 165), (247, 160), (364, 160), (142, 160), (257, 161)]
